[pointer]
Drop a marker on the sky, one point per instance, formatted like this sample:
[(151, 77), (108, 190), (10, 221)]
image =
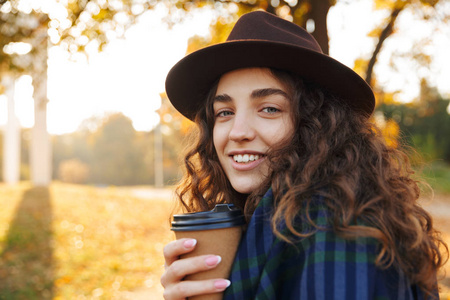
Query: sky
[(128, 76)]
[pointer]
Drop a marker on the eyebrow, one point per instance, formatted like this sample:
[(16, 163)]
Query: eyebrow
[(256, 94), (261, 93)]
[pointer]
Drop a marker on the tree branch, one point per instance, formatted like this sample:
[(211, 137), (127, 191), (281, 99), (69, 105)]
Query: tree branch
[(385, 33)]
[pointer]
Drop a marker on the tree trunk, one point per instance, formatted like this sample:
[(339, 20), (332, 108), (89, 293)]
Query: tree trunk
[(385, 33), (159, 167), (318, 13), (40, 152), (11, 144)]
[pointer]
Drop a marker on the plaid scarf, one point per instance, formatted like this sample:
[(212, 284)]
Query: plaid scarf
[(320, 266)]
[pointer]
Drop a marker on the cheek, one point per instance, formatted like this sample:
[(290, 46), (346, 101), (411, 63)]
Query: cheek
[(279, 133), (288, 131), (217, 139), (219, 143), (288, 128)]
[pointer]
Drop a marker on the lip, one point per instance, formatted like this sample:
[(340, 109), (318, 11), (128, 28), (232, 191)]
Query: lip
[(246, 166), (236, 152)]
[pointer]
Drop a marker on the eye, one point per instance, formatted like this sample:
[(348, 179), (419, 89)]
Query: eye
[(223, 113), (270, 110)]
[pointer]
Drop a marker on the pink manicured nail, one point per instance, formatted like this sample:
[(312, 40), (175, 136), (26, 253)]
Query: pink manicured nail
[(190, 243), (213, 260), (221, 284)]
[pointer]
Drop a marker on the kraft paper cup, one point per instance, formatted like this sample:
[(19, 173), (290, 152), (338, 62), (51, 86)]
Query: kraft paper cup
[(217, 232)]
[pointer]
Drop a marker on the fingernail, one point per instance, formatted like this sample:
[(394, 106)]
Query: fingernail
[(213, 260), (190, 243), (222, 284)]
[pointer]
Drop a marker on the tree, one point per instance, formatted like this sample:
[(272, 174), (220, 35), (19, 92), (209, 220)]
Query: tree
[(30, 27), (70, 24), (67, 147), (1, 157), (302, 12), (40, 158), (116, 158), (81, 24), (11, 136), (28, 23), (105, 151), (174, 128), (424, 124), (73, 171), (428, 9), (305, 12)]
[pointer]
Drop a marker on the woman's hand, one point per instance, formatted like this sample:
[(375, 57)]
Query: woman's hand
[(176, 269)]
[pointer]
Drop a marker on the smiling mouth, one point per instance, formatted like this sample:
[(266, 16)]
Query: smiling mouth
[(246, 158)]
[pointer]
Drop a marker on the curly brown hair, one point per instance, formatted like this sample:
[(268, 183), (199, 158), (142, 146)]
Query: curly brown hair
[(337, 153)]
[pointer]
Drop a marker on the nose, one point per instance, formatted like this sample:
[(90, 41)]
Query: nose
[(243, 129)]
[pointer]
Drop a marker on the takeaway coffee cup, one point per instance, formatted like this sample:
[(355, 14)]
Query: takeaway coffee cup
[(218, 232)]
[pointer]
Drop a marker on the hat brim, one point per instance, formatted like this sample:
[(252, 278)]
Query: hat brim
[(189, 81)]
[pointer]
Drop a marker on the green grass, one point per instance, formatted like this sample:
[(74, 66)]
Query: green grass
[(79, 242), (437, 174)]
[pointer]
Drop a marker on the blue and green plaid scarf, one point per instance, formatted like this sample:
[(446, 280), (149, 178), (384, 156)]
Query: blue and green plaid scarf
[(320, 266)]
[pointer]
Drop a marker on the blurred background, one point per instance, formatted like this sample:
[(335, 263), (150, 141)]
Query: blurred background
[(90, 145)]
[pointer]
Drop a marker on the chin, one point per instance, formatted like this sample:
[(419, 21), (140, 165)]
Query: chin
[(243, 188)]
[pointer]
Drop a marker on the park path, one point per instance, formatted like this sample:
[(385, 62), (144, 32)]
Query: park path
[(439, 207), (152, 193)]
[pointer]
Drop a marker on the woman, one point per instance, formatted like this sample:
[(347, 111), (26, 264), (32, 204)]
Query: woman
[(284, 134)]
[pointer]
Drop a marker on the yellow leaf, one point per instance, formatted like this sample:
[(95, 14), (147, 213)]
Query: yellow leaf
[(376, 32), (383, 4), (102, 15), (360, 66), (391, 132)]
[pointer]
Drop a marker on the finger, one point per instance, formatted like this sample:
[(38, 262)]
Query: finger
[(174, 249), (186, 289), (183, 267)]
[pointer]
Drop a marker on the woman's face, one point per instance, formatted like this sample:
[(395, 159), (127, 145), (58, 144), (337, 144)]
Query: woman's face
[(252, 115)]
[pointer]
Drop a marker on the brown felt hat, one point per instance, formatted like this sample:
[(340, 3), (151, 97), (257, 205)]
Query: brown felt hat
[(260, 39)]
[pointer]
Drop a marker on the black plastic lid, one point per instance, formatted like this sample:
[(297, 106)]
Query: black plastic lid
[(222, 216)]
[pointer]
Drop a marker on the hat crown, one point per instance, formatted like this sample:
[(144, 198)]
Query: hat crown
[(263, 26), (263, 40)]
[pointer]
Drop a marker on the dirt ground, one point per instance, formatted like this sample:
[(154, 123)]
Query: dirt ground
[(440, 210)]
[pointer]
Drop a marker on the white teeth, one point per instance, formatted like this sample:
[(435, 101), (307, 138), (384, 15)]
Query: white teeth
[(245, 158)]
